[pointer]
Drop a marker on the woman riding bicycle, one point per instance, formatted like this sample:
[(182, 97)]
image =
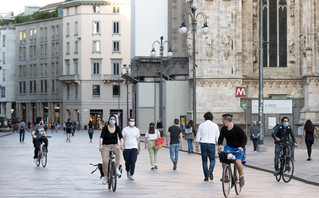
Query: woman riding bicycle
[(236, 141), (39, 136), (109, 140)]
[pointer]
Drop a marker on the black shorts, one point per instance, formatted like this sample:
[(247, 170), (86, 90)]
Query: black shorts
[(68, 131)]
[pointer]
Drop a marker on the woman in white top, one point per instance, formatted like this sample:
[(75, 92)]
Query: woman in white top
[(150, 139)]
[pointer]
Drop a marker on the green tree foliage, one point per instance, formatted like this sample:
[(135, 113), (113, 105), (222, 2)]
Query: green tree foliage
[(36, 16)]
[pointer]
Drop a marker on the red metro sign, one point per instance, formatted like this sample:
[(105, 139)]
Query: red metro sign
[(241, 92)]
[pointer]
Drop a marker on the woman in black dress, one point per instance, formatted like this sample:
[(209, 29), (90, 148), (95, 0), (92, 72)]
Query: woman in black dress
[(310, 131)]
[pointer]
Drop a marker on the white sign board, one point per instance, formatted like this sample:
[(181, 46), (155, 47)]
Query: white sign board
[(273, 106), (271, 122)]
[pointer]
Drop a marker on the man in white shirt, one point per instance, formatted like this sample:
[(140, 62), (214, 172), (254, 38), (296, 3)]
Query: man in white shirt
[(207, 136), (131, 137)]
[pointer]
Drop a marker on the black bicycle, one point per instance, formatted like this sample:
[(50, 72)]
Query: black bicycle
[(285, 164), (229, 178), (42, 155), (112, 176)]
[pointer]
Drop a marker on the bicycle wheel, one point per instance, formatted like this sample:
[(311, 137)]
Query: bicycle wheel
[(280, 165), (109, 175), (226, 180), (235, 180), (44, 157), (114, 177), (288, 170)]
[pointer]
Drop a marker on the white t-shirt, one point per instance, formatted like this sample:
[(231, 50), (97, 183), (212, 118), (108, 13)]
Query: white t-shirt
[(130, 135), (152, 136)]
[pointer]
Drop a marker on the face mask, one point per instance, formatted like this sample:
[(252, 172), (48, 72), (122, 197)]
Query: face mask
[(226, 125), (112, 122), (286, 124), (132, 123)]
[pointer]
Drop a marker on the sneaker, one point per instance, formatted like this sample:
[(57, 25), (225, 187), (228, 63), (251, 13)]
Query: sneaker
[(211, 176), (309, 159), (206, 179), (226, 179), (67, 139), (104, 180), (118, 173), (155, 166), (174, 166), (128, 175), (241, 181), (131, 177), (276, 173)]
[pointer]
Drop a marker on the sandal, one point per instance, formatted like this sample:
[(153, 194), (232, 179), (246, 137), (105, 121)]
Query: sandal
[(241, 181)]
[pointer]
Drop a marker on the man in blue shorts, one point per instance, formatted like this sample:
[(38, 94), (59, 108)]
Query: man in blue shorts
[(236, 140)]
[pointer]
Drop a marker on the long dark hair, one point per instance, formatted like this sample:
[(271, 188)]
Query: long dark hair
[(190, 125), (309, 126), (151, 129)]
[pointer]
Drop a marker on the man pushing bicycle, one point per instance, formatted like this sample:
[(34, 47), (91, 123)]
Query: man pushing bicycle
[(236, 140), (38, 136), (281, 136)]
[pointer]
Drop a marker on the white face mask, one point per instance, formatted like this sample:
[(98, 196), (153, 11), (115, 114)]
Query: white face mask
[(131, 123)]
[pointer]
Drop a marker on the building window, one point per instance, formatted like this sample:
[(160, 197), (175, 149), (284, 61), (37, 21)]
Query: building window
[(41, 86), (20, 87), (116, 27), (45, 34), (52, 86), (96, 27), (30, 83), (34, 35), (116, 67), (76, 66), (96, 66), (3, 75), (34, 86), (3, 40), (57, 49), (75, 28), (31, 51), (52, 32), (56, 85), (34, 52), (67, 33), (41, 51), (24, 87), (76, 47), (275, 31), (45, 65), (67, 47), (35, 70), (3, 92), (56, 31), (116, 9), (45, 86), (96, 90), (53, 69), (45, 50), (41, 70), (116, 46), (96, 9), (30, 71), (96, 46), (76, 91), (57, 68), (116, 90), (68, 91), (67, 67), (23, 36), (3, 57)]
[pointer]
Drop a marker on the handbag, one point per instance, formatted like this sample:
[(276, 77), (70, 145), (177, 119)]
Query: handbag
[(159, 141)]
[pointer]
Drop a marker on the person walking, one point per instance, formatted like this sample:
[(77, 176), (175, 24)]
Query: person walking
[(175, 138), (189, 135), (207, 137), (68, 130), (254, 134), (109, 140), (91, 130), (150, 139), (310, 131), (159, 126), (131, 140), (21, 129)]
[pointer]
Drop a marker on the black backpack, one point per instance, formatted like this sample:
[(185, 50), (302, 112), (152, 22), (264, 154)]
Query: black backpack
[(68, 125)]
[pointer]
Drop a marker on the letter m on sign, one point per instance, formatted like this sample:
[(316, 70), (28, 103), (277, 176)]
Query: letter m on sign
[(241, 92)]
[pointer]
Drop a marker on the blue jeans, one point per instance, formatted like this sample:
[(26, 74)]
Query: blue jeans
[(190, 145), (173, 150), (207, 150)]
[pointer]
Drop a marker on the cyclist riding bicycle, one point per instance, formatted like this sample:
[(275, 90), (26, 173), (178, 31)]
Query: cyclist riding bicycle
[(109, 140), (236, 140), (281, 136), (38, 136)]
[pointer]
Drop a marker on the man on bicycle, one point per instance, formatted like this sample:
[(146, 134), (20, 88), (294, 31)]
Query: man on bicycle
[(236, 140), (39, 136), (281, 136)]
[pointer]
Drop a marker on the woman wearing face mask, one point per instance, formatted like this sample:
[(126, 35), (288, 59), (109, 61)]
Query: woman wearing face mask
[(131, 137), (109, 140)]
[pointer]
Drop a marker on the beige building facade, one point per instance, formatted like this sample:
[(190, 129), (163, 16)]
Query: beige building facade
[(229, 57), (96, 46)]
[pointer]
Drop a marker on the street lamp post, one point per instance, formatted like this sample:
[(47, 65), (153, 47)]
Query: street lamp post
[(127, 68), (183, 30), (169, 54)]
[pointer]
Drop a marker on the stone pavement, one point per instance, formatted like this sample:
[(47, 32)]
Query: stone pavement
[(68, 173)]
